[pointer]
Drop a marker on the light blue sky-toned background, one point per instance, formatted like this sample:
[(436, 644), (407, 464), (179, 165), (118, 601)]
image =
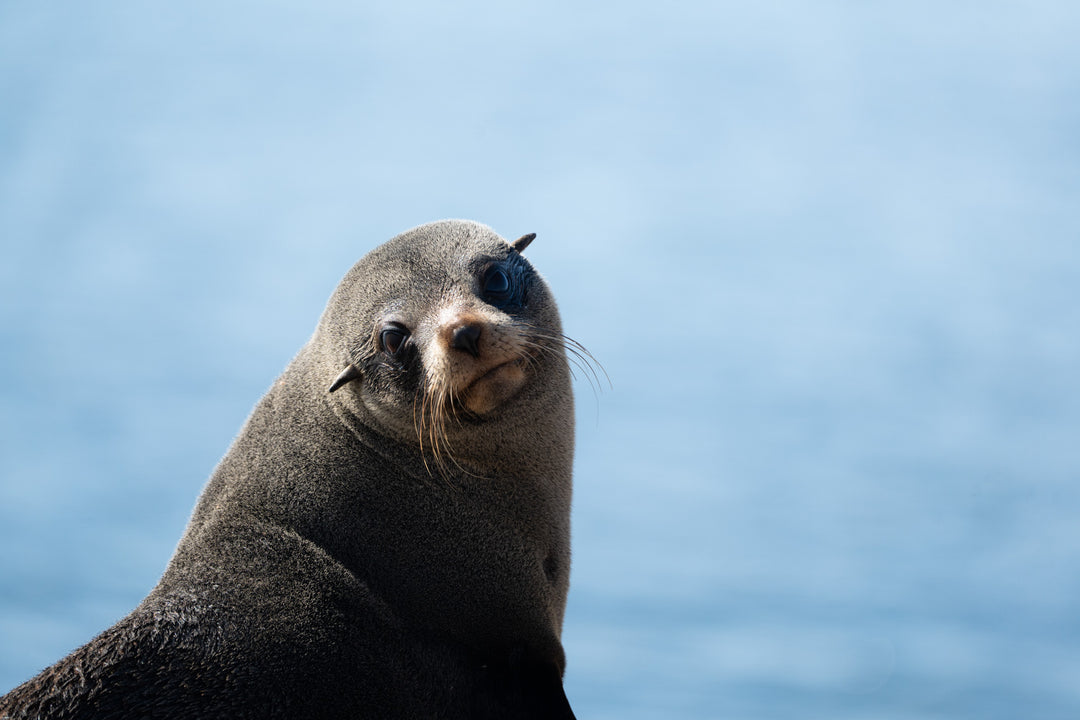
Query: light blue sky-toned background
[(829, 254)]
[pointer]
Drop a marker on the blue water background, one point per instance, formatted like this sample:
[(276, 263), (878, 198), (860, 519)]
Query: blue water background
[(828, 254)]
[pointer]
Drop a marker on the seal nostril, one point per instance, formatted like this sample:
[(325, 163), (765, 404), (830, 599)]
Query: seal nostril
[(466, 337)]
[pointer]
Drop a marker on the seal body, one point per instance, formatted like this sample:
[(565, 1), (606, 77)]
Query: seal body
[(388, 536)]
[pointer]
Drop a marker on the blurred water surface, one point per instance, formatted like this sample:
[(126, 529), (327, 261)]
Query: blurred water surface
[(827, 254)]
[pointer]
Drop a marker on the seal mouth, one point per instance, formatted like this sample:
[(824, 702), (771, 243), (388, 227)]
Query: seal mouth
[(492, 372), (494, 387)]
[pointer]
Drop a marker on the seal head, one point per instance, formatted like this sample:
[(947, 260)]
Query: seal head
[(430, 357)]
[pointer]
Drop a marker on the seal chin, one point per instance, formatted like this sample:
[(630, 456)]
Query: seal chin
[(494, 387)]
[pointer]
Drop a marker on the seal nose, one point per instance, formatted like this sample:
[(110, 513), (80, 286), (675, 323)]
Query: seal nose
[(465, 337)]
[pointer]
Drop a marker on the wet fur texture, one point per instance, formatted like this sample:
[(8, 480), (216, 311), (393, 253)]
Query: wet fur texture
[(395, 548)]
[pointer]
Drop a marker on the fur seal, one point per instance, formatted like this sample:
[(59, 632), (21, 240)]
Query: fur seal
[(389, 534)]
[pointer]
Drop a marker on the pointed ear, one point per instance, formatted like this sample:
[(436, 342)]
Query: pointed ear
[(347, 375), (523, 242)]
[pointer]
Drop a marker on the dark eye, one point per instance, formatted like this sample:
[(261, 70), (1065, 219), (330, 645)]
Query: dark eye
[(497, 284), (392, 338)]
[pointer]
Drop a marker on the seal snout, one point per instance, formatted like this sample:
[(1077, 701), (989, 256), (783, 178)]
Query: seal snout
[(466, 336), (477, 358)]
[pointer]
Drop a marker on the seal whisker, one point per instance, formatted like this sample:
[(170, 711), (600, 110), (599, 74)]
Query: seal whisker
[(435, 408), (419, 398), (432, 430), (419, 423), (576, 353), (441, 405), (427, 424)]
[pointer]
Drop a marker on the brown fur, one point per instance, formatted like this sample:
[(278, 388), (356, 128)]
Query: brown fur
[(397, 547)]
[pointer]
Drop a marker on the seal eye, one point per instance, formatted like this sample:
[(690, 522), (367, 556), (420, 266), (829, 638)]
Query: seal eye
[(392, 338), (496, 284)]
